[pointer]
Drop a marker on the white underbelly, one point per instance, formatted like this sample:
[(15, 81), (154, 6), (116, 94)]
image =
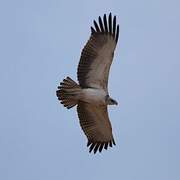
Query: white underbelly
[(96, 96)]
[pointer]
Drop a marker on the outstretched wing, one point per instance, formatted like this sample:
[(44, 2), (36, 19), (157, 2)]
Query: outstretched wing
[(97, 55), (95, 123)]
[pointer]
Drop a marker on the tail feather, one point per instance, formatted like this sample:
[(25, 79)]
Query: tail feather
[(68, 92)]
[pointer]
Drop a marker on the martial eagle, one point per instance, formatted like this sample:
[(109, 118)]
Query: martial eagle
[(91, 94)]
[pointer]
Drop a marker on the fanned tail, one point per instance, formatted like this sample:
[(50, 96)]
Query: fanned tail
[(68, 92)]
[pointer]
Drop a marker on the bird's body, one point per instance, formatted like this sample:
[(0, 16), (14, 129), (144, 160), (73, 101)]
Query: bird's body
[(91, 94)]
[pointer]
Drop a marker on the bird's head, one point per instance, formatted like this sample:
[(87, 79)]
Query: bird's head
[(111, 101)]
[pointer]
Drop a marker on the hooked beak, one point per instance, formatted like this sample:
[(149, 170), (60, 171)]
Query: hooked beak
[(116, 103)]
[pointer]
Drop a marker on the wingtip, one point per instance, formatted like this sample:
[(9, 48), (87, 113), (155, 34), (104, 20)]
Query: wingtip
[(96, 148), (113, 141), (110, 23), (99, 146), (92, 30), (89, 143), (96, 26), (117, 33), (106, 146), (106, 24)]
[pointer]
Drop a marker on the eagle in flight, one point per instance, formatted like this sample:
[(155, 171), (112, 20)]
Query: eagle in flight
[(91, 94)]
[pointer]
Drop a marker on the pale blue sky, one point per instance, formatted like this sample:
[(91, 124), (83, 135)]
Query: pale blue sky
[(40, 44)]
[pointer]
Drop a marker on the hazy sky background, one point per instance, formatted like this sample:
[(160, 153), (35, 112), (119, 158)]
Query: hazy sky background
[(40, 44)]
